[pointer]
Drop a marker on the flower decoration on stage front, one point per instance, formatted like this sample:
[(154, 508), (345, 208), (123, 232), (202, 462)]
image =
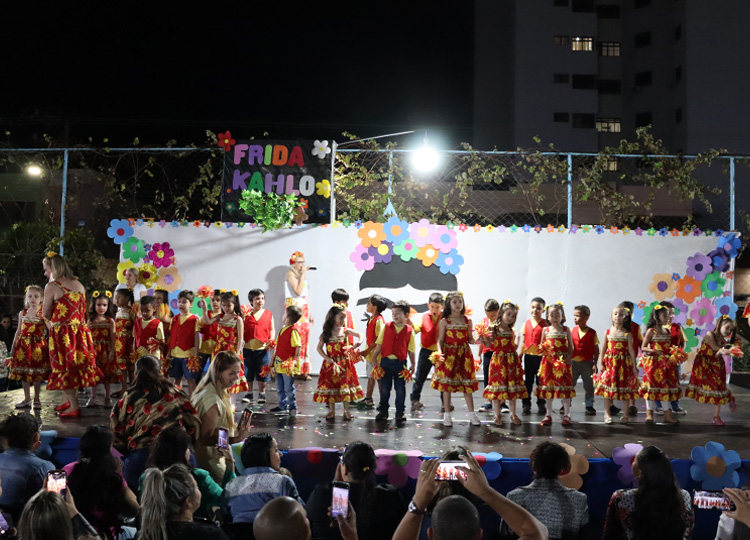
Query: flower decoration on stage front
[(422, 232), (614, 230), (599, 229), (626, 230), (161, 255), (406, 251), (715, 467), (444, 239), (578, 465), (396, 230), (688, 289), (674, 232), (133, 250), (490, 463), (450, 263), (398, 467), (561, 229), (713, 285), (586, 228), (362, 258), (624, 457), (383, 253), (698, 266), (726, 306), (162, 223), (226, 141), (719, 260), (703, 312), (230, 207), (730, 244), (651, 231), (428, 255), (662, 286), (168, 279), (371, 234), (323, 188), (550, 228), (463, 227), (175, 223), (537, 229), (663, 231), (573, 229), (489, 228), (320, 149), (122, 268), (680, 311), (638, 231), (119, 230), (147, 275)]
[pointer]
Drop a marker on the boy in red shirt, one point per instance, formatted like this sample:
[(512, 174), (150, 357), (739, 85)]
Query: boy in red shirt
[(427, 325), (585, 353), (184, 343), (341, 297), (286, 362), (530, 341), (394, 344), (491, 310), (375, 307), (258, 332), (148, 332)]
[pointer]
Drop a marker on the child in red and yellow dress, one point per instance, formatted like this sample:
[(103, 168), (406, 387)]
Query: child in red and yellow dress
[(660, 381), (229, 334), (29, 356), (555, 371), (102, 327), (124, 354)]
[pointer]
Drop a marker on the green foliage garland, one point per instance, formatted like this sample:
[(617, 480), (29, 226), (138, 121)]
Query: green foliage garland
[(269, 210)]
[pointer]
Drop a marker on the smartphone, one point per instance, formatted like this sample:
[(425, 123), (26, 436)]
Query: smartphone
[(246, 415), (712, 499), (340, 504), (57, 481), (3, 525), (449, 470), (223, 438)]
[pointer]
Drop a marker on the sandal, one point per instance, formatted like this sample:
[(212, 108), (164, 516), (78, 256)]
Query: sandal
[(608, 420), (547, 421), (624, 419), (37, 405), (331, 415), (347, 415), (515, 420), (567, 421), (718, 421), (498, 421), (23, 404)]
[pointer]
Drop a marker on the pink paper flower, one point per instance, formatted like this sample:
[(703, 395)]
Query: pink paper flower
[(444, 239), (161, 255), (421, 232), (362, 258), (703, 312), (398, 466)]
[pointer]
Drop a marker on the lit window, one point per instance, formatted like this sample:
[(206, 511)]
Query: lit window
[(609, 48), (610, 164), (608, 125), (582, 43), (562, 40)]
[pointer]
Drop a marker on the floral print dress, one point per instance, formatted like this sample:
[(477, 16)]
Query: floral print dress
[(457, 371), (30, 361), (555, 373)]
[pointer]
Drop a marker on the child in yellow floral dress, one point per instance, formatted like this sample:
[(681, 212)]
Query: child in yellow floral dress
[(660, 381), (103, 334), (555, 370), (29, 356)]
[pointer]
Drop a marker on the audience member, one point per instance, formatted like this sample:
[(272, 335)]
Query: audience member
[(22, 472), (97, 484), (259, 483), (735, 524), (656, 509), (379, 507), (284, 517), (564, 511), (169, 500), (47, 515), (150, 405), (454, 517), (173, 446), (211, 400)]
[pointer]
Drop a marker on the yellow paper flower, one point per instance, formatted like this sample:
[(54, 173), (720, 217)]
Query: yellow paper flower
[(121, 270), (168, 279), (148, 275), (324, 188)]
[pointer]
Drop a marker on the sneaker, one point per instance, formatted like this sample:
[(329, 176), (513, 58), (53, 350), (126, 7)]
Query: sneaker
[(590, 411), (660, 412), (679, 410), (486, 407), (293, 412), (383, 415), (541, 409), (447, 419), (474, 419), (416, 405), (632, 410), (614, 411), (368, 403), (526, 410), (504, 409), (400, 417), (248, 398), (262, 397), (277, 410)]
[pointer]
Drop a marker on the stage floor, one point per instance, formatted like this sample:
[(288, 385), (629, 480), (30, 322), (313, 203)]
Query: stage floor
[(424, 431)]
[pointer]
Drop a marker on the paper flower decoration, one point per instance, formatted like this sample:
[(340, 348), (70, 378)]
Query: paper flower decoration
[(161, 255), (719, 260), (320, 149), (578, 465), (647, 312), (205, 291), (713, 285), (692, 340), (119, 230), (398, 466), (226, 141), (323, 188), (428, 255), (371, 234), (168, 279), (715, 467), (422, 232), (133, 250), (698, 266), (406, 251), (147, 275), (624, 457), (121, 268), (444, 239), (662, 286), (490, 463), (383, 253), (680, 311), (450, 263), (362, 258), (396, 230), (726, 306), (703, 312), (731, 244), (688, 289)]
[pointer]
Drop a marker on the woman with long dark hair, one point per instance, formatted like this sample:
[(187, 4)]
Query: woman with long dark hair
[(378, 507), (657, 509)]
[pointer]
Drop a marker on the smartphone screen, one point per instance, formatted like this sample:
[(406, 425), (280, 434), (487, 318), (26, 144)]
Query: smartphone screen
[(223, 438), (246, 414), (340, 504), (57, 481), (449, 470), (712, 499), (3, 525)]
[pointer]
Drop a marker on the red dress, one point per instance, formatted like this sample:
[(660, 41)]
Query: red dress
[(71, 349), (30, 361), (708, 381), (124, 338), (457, 371), (338, 381), (506, 369), (555, 374), (660, 381), (100, 334), (226, 340), (618, 380)]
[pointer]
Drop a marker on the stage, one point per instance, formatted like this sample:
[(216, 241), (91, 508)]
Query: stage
[(424, 431)]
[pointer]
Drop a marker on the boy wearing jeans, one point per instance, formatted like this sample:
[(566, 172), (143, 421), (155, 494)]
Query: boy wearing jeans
[(184, 343), (529, 348), (286, 361), (394, 344), (585, 353), (428, 327)]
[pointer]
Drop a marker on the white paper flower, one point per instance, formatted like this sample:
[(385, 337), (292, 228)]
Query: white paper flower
[(320, 149)]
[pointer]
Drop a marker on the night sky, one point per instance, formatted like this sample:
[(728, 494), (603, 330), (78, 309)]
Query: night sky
[(309, 70)]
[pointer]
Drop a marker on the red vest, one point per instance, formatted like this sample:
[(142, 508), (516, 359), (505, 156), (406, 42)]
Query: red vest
[(531, 335), (675, 335), (370, 331), (396, 343), (141, 334), (635, 329), (259, 329), (284, 349), (182, 335), (584, 346), (350, 324), (429, 330), (209, 330)]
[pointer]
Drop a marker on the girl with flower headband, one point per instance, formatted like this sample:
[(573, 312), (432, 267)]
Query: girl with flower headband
[(708, 380), (660, 381), (635, 330), (555, 370), (296, 293), (29, 356), (124, 323), (165, 315), (104, 334), (229, 334)]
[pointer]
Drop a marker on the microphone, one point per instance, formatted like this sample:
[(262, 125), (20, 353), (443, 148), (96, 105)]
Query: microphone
[(312, 268)]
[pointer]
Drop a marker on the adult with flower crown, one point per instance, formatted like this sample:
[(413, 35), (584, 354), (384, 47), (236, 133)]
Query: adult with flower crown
[(71, 348), (296, 293)]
